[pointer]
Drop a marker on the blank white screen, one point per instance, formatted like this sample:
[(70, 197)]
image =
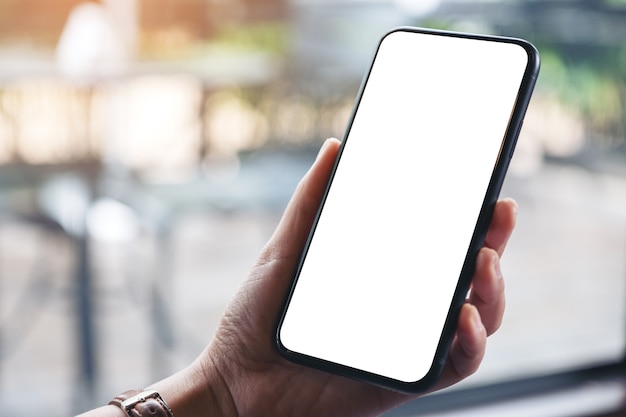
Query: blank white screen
[(379, 276)]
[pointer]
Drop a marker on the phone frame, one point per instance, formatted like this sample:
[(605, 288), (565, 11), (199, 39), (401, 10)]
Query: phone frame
[(491, 196)]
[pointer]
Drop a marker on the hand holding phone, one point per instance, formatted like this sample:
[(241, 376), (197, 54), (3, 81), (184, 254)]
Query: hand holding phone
[(258, 381), (389, 260)]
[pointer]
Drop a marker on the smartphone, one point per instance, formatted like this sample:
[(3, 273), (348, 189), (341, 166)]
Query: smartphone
[(390, 257)]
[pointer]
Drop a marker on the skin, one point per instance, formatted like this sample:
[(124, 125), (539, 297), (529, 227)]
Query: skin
[(241, 374)]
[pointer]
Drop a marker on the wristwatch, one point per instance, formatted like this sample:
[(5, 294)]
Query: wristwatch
[(142, 403)]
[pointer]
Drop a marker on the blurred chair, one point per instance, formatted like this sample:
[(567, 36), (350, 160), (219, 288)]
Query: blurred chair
[(55, 204)]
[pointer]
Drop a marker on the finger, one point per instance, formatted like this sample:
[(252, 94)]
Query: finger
[(467, 349), (502, 224), (293, 229), (488, 289)]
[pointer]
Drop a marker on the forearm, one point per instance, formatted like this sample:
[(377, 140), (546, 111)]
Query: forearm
[(196, 391)]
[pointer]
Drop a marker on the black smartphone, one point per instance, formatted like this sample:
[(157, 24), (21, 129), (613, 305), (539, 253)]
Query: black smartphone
[(391, 254)]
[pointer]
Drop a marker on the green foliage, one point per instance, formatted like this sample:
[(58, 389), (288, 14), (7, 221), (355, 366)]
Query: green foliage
[(593, 84), (262, 37), (616, 3)]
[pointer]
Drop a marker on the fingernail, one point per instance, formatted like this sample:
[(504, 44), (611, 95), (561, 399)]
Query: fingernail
[(515, 207), (321, 151)]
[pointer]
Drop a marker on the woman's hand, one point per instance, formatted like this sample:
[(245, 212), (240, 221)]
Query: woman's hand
[(248, 377)]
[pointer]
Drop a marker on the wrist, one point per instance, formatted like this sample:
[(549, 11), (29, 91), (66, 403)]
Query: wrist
[(197, 391)]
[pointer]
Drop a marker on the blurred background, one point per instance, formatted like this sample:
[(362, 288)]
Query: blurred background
[(148, 148)]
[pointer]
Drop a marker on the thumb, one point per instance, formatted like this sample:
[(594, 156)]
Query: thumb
[(290, 236), (265, 289)]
